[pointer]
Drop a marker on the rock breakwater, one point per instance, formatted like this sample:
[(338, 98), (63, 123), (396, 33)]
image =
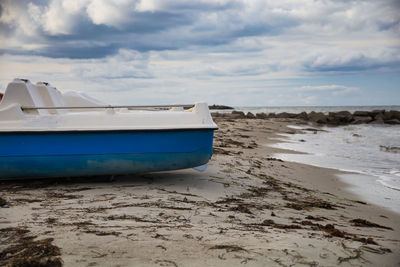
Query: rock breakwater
[(332, 118)]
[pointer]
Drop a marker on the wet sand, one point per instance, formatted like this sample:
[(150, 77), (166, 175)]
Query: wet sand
[(247, 208)]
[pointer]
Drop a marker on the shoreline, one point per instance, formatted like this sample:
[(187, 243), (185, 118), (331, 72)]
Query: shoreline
[(358, 182), (246, 208)]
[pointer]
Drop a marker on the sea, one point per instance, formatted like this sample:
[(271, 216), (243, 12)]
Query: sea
[(369, 154)]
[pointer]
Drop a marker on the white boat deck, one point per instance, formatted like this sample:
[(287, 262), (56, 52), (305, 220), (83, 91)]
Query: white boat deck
[(41, 107)]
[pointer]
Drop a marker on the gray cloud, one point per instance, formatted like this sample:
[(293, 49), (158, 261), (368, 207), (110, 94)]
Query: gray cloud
[(61, 27), (354, 63)]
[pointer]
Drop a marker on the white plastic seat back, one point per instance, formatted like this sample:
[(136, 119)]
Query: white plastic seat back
[(24, 93), (51, 97)]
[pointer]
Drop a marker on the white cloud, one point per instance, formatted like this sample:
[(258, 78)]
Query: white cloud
[(334, 89), (111, 13), (56, 20)]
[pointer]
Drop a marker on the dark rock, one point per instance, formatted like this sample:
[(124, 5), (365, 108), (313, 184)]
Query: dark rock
[(272, 115), (361, 119), (362, 113), (286, 115), (250, 115), (377, 111), (339, 118), (343, 113), (378, 119), (237, 112), (395, 114), (219, 107), (261, 116), (317, 117), (302, 116), (331, 120), (237, 115), (389, 115), (394, 121)]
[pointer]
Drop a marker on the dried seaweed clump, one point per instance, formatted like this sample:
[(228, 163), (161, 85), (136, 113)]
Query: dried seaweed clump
[(365, 223), (32, 253), (309, 204), (25, 251)]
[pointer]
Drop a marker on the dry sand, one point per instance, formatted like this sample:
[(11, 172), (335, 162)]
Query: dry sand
[(248, 208)]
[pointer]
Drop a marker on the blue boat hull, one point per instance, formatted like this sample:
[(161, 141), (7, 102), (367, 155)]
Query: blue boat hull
[(67, 154)]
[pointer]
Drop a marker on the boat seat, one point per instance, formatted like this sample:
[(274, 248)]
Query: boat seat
[(22, 92), (51, 97)]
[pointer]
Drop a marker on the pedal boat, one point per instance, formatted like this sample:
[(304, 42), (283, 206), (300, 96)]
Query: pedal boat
[(44, 133)]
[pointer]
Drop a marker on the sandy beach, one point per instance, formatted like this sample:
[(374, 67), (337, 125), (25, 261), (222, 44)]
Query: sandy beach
[(247, 208)]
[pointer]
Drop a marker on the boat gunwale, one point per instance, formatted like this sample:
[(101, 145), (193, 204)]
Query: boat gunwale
[(188, 106), (106, 130)]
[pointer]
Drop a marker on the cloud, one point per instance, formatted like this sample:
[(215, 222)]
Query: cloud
[(334, 89), (218, 49), (354, 61)]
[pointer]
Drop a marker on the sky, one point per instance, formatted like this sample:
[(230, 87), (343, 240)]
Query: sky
[(233, 52)]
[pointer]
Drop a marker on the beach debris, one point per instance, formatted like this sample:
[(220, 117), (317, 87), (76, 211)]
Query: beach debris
[(102, 233), (229, 248), (62, 195), (356, 255), (318, 218), (378, 250), (3, 202), (392, 149), (274, 159), (308, 204), (244, 208), (364, 223), (168, 262), (160, 236), (334, 232), (51, 220), (162, 247), (23, 250), (271, 223)]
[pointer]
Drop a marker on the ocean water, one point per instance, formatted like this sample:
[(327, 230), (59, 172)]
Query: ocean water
[(370, 152)]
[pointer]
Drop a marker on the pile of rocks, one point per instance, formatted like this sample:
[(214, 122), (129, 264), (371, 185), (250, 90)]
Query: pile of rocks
[(213, 107), (332, 118)]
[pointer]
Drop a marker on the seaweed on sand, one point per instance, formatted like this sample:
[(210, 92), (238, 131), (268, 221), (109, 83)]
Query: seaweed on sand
[(228, 248), (102, 233), (271, 223), (332, 231), (364, 223), (308, 204), (244, 208), (25, 251), (61, 195)]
